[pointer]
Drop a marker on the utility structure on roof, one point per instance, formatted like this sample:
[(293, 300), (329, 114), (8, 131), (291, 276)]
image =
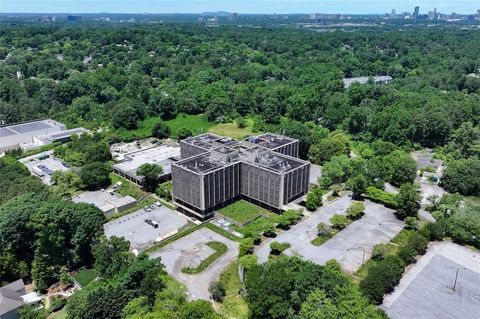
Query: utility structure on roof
[(216, 170)]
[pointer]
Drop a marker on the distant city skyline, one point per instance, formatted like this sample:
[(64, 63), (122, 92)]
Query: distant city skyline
[(240, 6)]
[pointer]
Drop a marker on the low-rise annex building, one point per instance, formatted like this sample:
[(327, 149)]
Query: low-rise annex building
[(216, 170)]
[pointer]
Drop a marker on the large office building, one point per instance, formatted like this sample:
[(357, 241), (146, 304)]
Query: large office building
[(216, 170)]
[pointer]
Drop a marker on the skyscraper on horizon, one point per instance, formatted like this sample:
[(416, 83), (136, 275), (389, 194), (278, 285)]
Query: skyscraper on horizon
[(416, 11)]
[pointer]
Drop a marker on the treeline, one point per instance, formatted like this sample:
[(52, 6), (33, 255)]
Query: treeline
[(115, 77), (41, 235)]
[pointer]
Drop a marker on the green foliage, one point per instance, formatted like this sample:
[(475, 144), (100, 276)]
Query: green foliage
[(408, 201), (379, 251), (107, 297), (56, 304), (241, 122), (358, 185), (57, 233), (277, 248), (29, 312), (464, 226), (246, 247), (95, 175), (161, 130), (111, 256), (150, 174), (356, 210), (335, 144), (165, 191), (217, 290), (416, 245), (282, 288), (339, 221), (382, 278), (84, 150), (462, 176), (402, 168), (314, 199), (380, 196)]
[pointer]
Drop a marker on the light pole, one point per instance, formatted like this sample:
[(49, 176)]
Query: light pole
[(446, 213), (456, 276)]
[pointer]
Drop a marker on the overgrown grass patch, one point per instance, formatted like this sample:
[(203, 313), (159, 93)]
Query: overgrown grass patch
[(194, 123), (242, 211), (232, 130), (220, 250), (85, 276), (233, 305), (127, 188), (320, 240)]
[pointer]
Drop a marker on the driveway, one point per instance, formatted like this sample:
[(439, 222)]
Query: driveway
[(189, 251), (351, 246)]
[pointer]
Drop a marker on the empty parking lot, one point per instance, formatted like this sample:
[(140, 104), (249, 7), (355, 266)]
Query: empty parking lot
[(351, 246), (142, 235), (189, 251), (426, 289)]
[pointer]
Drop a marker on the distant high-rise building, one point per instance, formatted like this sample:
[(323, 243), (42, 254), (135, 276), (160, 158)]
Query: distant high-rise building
[(233, 16), (416, 11), (393, 13), (73, 18)]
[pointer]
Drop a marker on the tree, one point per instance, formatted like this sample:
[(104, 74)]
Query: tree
[(402, 168), (246, 247), (335, 144), (335, 171), (111, 256), (382, 278), (358, 185), (408, 201), (314, 199), (150, 176), (356, 210), (183, 133), (462, 176), (217, 290), (95, 175), (339, 221), (323, 229), (241, 122), (161, 130), (198, 309)]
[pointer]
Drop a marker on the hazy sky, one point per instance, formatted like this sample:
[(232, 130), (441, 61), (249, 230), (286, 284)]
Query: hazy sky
[(241, 6)]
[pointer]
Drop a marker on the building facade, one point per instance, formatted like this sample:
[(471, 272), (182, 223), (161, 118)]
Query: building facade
[(215, 171)]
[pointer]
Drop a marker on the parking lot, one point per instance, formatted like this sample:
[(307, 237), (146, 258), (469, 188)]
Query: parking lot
[(350, 247), (190, 251), (142, 235), (50, 165), (426, 289)]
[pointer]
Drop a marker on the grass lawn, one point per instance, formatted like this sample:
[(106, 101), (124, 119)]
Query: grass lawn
[(232, 130), (320, 240), (220, 249), (233, 306), (242, 211), (195, 123), (127, 188), (85, 276), (61, 314), (473, 200)]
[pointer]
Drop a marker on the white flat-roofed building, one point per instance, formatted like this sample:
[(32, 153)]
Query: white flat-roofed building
[(163, 155), (34, 134), (107, 201), (385, 79)]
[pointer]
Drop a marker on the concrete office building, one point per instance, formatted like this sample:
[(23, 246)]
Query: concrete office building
[(216, 170)]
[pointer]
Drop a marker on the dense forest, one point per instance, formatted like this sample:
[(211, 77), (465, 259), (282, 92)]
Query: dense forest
[(118, 79)]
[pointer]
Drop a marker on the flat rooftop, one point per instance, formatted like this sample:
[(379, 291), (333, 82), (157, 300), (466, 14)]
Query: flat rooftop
[(201, 164), (270, 140), (162, 155), (104, 200), (209, 141), (347, 82), (28, 127)]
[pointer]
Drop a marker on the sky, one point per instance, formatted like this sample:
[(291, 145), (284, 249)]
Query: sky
[(240, 6)]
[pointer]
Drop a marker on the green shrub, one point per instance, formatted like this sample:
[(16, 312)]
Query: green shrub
[(382, 278), (56, 304), (379, 196), (246, 247), (379, 251), (339, 221), (277, 248), (355, 211), (217, 290)]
